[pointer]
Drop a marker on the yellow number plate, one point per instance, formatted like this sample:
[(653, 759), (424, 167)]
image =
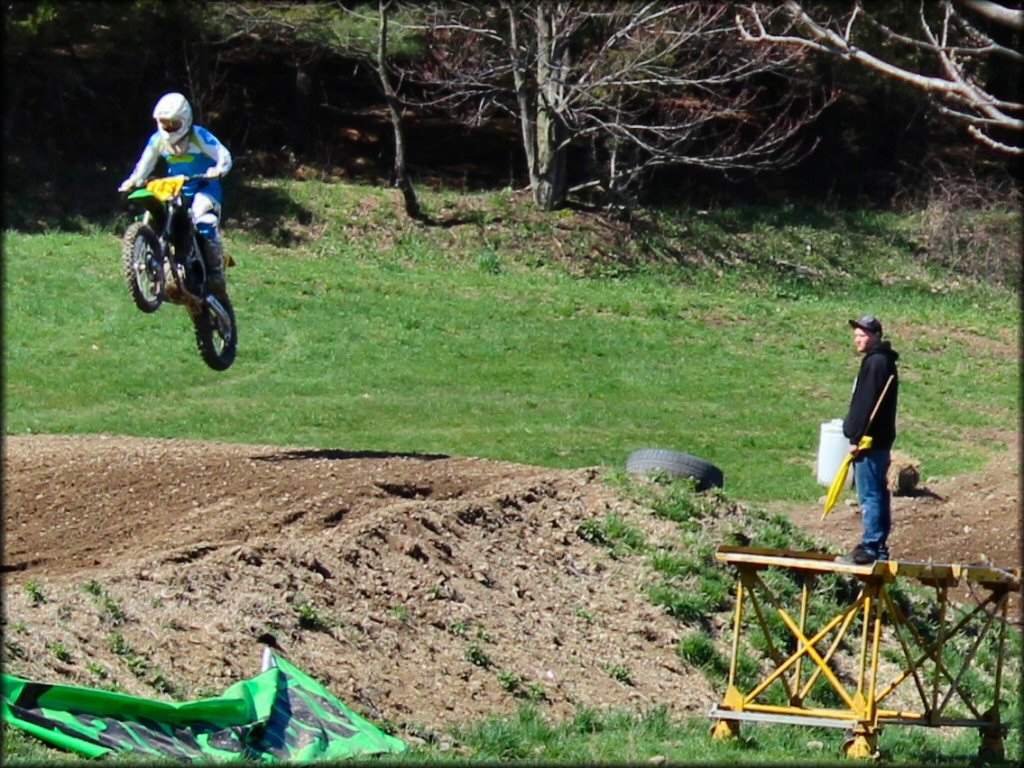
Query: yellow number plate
[(165, 189)]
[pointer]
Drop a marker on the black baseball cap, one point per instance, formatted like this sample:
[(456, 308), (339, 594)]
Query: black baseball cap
[(868, 323)]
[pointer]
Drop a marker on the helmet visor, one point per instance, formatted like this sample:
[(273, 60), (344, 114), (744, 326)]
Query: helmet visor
[(169, 124)]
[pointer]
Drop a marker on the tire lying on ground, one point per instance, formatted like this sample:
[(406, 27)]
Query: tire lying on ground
[(675, 464)]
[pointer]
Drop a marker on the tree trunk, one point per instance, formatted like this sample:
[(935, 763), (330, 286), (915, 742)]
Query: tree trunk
[(526, 106), (549, 188), (402, 181), (538, 119)]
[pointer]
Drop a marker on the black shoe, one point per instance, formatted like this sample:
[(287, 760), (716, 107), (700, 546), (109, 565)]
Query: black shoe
[(858, 556)]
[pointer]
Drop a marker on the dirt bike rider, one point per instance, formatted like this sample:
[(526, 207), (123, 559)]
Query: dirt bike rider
[(189, 150)]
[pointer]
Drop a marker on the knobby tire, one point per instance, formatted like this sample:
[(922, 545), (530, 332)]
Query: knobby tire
[(216, 347), (140, 234)]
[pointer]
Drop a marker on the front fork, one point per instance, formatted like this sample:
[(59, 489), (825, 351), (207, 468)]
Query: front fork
[(188, 266)]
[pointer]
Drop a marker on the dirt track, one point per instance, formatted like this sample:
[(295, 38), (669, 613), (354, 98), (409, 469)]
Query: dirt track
[(417, 588)]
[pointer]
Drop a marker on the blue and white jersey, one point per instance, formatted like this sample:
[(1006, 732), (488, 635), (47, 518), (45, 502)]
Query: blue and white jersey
[(195, 154)]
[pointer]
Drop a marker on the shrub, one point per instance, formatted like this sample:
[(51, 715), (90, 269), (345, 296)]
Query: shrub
[(973, 230)]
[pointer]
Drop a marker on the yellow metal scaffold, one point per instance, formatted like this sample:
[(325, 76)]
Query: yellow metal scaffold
[(937, 649)]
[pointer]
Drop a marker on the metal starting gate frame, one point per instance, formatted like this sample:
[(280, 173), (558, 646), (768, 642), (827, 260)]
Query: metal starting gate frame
[(929, 657)]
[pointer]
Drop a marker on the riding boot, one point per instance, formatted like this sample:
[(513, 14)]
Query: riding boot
[(215, 267)]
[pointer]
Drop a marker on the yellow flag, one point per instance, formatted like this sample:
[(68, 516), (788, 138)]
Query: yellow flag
[(836, 489)]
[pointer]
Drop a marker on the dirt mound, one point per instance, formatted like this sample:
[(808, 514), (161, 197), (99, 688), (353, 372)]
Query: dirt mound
[(422, 590)]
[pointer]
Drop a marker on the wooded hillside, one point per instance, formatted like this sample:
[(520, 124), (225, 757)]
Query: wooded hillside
[(292, 90)]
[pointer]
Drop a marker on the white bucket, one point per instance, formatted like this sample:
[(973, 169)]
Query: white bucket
[(832, 449)]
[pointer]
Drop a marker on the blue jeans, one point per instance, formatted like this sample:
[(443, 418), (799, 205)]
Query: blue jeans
[(870, 470)]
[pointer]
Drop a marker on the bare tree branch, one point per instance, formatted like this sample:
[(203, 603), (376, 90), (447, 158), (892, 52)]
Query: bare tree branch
[(1007, 17), (641, 84), (957, 46)]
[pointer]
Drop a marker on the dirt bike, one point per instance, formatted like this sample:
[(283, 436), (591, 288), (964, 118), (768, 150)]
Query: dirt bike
[(163, 260)]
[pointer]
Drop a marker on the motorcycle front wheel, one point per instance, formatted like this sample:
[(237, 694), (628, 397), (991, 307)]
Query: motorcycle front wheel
[(140, 254), (217, 334)]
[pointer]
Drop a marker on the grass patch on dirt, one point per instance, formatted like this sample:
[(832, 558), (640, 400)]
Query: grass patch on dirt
[(642, 737), (691, 586), (698, 591)]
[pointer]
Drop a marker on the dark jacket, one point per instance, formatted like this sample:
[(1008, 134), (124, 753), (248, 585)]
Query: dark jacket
[(878, 365)]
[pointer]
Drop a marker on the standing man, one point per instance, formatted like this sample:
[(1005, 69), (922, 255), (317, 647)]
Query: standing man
[(870, 395)]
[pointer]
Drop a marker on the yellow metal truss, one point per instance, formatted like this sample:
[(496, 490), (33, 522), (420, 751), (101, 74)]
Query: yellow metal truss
[(932, 647)]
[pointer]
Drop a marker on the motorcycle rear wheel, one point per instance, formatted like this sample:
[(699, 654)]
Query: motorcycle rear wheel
[(139, 248), (217, 336)]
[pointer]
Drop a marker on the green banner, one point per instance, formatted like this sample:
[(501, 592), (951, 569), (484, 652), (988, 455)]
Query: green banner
[(281, 714)]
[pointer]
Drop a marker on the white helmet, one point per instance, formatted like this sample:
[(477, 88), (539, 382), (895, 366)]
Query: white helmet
[(173, 116)]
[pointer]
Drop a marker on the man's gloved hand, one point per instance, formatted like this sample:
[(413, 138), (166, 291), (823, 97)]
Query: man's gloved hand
[(212, 173), (127, 185)]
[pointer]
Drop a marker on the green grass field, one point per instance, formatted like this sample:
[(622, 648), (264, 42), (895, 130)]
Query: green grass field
[(534, 339), (440, 343)]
